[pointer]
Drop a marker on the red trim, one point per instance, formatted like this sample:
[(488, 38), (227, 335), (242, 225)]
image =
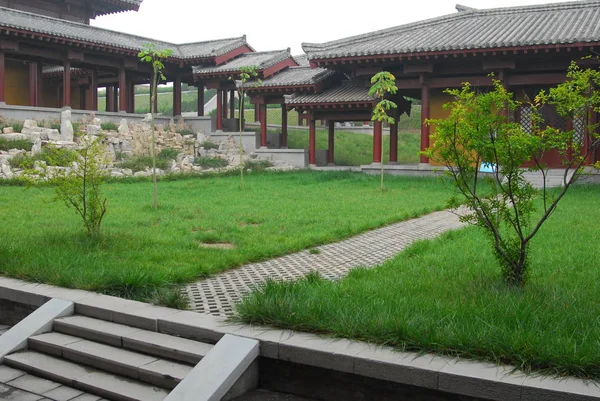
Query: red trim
[(288, 62), (232, 54)]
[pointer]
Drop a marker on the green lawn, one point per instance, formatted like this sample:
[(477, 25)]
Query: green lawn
[(165, 100), (143, 249), (446, 296)]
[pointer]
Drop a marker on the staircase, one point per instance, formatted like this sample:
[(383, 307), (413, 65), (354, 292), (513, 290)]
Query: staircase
[(110, 360)]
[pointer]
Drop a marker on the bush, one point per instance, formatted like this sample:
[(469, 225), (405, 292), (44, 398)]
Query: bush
[(142, 163), (50, 155), (185, 131), (258, 165), (21, 161), (109, 126), (211, 162), (209, 145), (23, 144), (168, 154), (17, 126)]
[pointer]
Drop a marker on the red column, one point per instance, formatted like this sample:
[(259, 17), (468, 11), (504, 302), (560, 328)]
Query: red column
[(377, 142), (330, 148), (424, 116), (38, 89), (177, 96), (256, 113), (109, 98), (394, 142), (232, 104), (283, 143), (2, 77), (219, 110), (33, 76), (66, 84), (93, 103), (300, 119), (83, 100), (122, 90), (131, 97), (200, 99), (263, 125), (312, 142), (224, 109)]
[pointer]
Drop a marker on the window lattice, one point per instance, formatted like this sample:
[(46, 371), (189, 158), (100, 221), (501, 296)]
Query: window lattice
[(525, 119), (579, 129)]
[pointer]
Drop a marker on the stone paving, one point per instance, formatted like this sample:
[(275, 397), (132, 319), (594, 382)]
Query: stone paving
[(217, 295), (20, 386)]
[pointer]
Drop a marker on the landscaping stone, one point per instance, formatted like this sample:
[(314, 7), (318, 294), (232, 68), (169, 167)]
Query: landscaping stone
[(14, 137), (6, 170), (123, 127), (7, 130), (53, 135), (93, 130), (66, 127)]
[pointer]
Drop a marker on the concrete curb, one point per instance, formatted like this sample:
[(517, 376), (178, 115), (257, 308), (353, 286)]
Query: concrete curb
[(38, 322), (470, 378)]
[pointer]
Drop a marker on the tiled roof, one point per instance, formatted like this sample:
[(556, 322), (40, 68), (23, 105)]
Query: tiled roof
[(81, 32), (347, 92), (302, 60), (558, 23), (295, 76), (260, 60)]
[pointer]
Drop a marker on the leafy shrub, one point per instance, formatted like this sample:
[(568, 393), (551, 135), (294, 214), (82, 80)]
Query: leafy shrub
[(6, 145), (258, 165), (209, 145), (210, 162), (21, 161), (51, 155), (142, 163), (168, 154), (55, 125), (185, 131), (110, 126)]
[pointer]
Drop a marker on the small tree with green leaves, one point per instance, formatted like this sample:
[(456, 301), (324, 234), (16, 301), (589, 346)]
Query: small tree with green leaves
[(246, 74), (383, 84), (480, 130), (150, 54), (79, 186)]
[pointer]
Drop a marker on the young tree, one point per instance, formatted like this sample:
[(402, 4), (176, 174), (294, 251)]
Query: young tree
[(150, 54), (382, 84), (245, 75), (479, 130), (79, 186)]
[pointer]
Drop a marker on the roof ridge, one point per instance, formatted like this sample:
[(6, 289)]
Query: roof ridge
[(468, 13)]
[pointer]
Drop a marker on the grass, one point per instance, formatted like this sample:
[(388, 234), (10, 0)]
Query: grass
[(6, 145), (446, 296), (165, 101), (143, 250), (210, 162)]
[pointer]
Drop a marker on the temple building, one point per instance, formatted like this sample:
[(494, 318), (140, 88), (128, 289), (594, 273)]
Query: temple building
[(527, 48)]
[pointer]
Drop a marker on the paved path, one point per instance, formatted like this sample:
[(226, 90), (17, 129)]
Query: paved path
[(216, 295)]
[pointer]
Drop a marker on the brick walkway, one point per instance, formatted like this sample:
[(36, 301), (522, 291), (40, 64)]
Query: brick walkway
[(216, 295)]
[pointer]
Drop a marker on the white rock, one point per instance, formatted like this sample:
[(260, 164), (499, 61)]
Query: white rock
[(123, 127), (66, 127), (147, 118), (37, 147), (200, 137), (14, 137), (6, 171), (126, 147), (30, 124), (127, 171), (7, 130), (53, 135), (93, 130)]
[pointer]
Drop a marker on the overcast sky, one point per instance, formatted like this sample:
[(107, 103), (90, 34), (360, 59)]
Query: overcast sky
[(277, 24)]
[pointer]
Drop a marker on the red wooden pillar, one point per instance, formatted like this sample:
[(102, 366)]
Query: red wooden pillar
[(283, 143), (394, 142), (66, 100), (224, 100), (256, 113), (377, 141), (94, 90), (33, 85), (131, 97), (219, 110), (312, 142), (263, 125), (424, 116), (83, 99), (109, 98), (200, 99), (38, 89), (177, 96), (123, 101), (2, 77), (300, 119), (330, 148), (231, 104)]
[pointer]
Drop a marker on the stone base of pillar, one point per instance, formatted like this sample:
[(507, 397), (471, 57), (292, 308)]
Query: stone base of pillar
[(330, 164), (424, 165), (393, 163), (312, 166), (376, 164)]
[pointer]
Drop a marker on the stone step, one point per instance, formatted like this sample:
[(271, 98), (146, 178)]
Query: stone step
[(118, 335), (86, 379), (146, 368)]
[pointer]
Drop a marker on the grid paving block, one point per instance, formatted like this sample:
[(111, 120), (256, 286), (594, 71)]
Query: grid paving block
[(218, 295)]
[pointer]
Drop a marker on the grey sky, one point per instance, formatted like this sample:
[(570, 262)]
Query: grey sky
[(276, 24)]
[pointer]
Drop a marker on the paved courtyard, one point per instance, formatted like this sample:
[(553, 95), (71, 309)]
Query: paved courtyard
[(217, 295)]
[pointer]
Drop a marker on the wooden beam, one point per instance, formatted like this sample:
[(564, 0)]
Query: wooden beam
[(418, 68), (494, 65)]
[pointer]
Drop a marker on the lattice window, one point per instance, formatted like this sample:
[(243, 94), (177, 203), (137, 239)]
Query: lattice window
[(525, 119), (579, 129)]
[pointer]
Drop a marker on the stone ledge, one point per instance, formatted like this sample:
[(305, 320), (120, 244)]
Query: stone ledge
[(469, 378)]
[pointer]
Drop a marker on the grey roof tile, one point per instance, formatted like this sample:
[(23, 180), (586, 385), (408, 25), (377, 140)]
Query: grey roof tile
[(260, 60), (346, 92), (91, 34), (558, 23), (302, 60), (295, 76)]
